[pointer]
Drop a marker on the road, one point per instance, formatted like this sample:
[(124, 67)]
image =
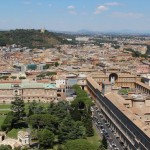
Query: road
[(102, 127)]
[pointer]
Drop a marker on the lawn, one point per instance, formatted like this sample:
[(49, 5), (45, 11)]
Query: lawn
[(5, 112), (5, 106), (13, 133), (95, 140), (4, 109), (2, 118)]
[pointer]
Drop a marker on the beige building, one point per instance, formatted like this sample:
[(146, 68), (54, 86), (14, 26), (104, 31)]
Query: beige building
[(116, 76), (128, 116), (28, 92), (24, 138)]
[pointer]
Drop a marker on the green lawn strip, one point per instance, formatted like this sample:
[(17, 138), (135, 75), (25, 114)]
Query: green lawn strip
[(5, 106), (95, 140), (13, 133), (2, 118), (4, 112)]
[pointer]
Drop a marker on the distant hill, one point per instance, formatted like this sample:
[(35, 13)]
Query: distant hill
[(30, 38)]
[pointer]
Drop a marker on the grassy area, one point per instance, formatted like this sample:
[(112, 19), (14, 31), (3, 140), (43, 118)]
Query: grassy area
[(4, 112), (13, 133), (95, 140), (124, 91), (2, 118), (4, 109), (5, 106)]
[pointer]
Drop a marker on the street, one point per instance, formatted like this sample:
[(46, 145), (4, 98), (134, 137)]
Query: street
[(104, 130)]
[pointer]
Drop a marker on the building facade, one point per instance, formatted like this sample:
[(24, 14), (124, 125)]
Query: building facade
[(117, 77), (134, 133), (28, 92)]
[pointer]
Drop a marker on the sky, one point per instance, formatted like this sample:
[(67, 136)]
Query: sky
[(75, 15)]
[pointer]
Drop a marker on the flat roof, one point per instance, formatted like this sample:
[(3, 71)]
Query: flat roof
[(5, 86), (28, 85)]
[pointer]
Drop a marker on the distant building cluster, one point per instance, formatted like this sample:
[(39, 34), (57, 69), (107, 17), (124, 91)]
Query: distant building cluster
[(117, 81)]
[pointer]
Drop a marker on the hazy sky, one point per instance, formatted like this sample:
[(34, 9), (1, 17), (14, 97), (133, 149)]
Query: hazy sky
[(74, 15)]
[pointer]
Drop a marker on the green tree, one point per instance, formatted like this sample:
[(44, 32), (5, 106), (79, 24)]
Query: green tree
[(40, 76), (75, 114), (87, 121), (19, 148), (18, 109), (5, 77), (35, 108), (40, 110), (50, 73), (8, 122), (101, 147), (69, 130), (13, 77), (61, 110), (60, 147), (2, 43), (46, 138), (104, 142), (32, 107), (82, 97), (34, 134), (56, 64), (5, 147), (83, 103), (21, 78), (47, 66), (79, 144), (42, 121)]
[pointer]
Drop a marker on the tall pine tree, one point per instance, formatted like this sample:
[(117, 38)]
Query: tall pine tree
[(18, 108)]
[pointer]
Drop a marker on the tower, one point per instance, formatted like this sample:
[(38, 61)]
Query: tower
[(106, 87)]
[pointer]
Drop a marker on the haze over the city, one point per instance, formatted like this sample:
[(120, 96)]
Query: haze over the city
[(74, 15)]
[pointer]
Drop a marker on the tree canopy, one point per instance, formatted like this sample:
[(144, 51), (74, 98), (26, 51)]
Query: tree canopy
[(42, 121), (5, 147), (29, 38), (8, 122), (46, 138), (81, 97), (69, 129), (18, 108)]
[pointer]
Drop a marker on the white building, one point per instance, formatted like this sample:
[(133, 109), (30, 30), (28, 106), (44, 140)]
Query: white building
[(24, 138), (60, 82), (82, 39)]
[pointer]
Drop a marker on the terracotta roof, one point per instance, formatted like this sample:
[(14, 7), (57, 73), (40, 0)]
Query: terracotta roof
[(116, 100)]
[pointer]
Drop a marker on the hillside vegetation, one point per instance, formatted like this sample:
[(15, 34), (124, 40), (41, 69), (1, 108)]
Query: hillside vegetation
[(29, 38)]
